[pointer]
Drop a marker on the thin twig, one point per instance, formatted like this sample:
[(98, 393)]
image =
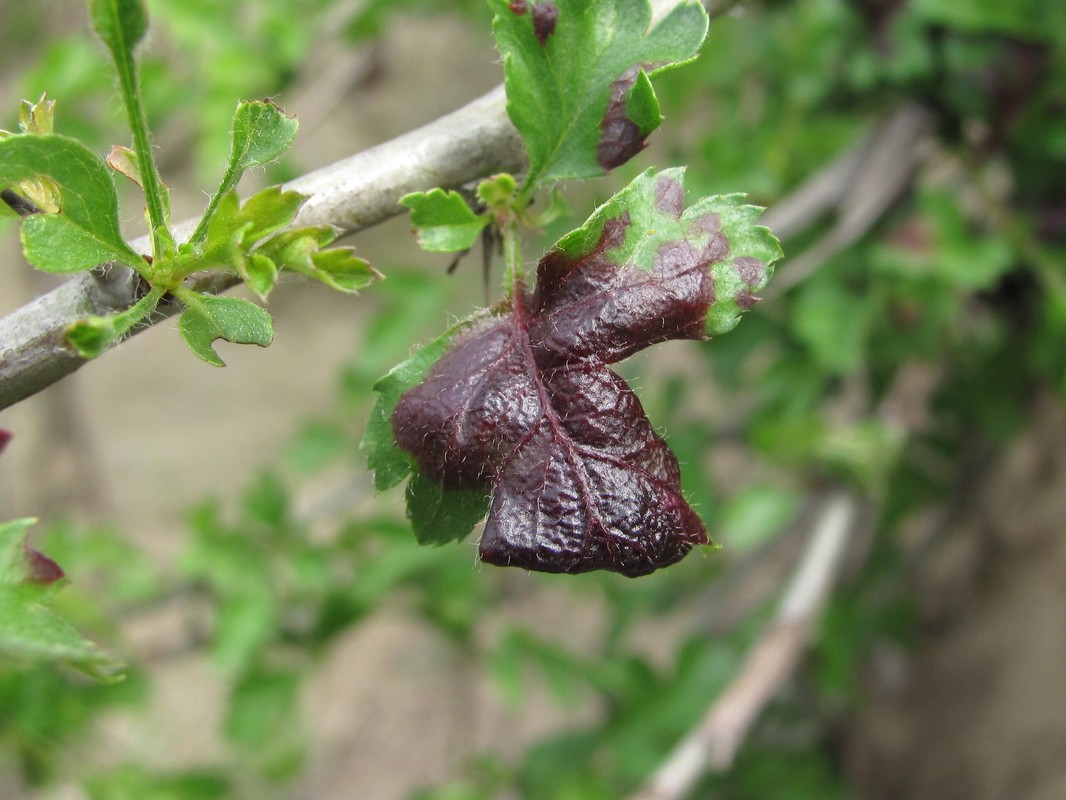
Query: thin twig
[(713, 743), (866, 194)]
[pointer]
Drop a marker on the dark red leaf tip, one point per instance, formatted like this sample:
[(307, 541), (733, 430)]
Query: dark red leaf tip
[(746, 301), (5, 437), (40, 568), (518, 6), (620, 138), (545, 15)]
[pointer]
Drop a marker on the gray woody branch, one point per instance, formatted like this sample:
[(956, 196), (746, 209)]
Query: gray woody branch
[(352, 194)]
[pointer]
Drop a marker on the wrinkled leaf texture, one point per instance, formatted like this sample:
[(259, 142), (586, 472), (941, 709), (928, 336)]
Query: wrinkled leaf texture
[(522, 405)]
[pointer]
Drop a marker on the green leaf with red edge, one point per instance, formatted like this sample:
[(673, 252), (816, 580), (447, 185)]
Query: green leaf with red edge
[(85, 231), (519, 403), (577, 71), (30, 630), (442, 220)]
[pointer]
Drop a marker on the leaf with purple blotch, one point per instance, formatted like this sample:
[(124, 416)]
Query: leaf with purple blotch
[(577, 77), (30, 629), (519, 406)]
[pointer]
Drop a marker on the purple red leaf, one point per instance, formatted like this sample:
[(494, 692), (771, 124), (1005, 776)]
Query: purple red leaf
[(523, 404)]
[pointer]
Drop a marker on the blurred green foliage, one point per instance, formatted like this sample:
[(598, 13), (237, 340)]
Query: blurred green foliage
[(963, 275)]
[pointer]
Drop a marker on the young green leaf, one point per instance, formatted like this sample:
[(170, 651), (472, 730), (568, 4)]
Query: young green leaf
[(37, 118), (261, 134), (30, 629), (443, 221), (85, 231), (124, 161), (577, 72), (207, 318), (91, 336), (304, 250), (120, 24)]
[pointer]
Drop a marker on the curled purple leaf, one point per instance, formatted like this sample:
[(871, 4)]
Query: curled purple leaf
[(523, 406)]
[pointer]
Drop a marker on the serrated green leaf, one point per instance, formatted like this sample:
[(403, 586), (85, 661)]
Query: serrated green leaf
[(207, 319), (30, 629), (389, 463), (575, 70), (440, 515), (261, 133), (303, 250), (85, 231), (341, 269), (443, 222)]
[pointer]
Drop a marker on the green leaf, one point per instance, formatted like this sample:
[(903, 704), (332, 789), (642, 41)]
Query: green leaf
[(124, 161), (755, 516), (259, 272), (209, 318), (120, 24), (303, 250), (833, 323), (261, 134), (30, 629), (440, 515), (135, 781), (263, 705), (37, 118), (85, 231), (390, 463), (576, 73), (443, 221), (269, 211)]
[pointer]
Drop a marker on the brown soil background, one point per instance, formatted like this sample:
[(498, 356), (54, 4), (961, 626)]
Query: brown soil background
[(976, 712)]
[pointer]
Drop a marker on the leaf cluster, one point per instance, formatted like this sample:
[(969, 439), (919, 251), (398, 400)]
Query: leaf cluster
[(71, 215), (514, 411)]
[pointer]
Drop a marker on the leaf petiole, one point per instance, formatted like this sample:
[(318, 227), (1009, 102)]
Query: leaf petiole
[(513, 271), (121, 24)]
